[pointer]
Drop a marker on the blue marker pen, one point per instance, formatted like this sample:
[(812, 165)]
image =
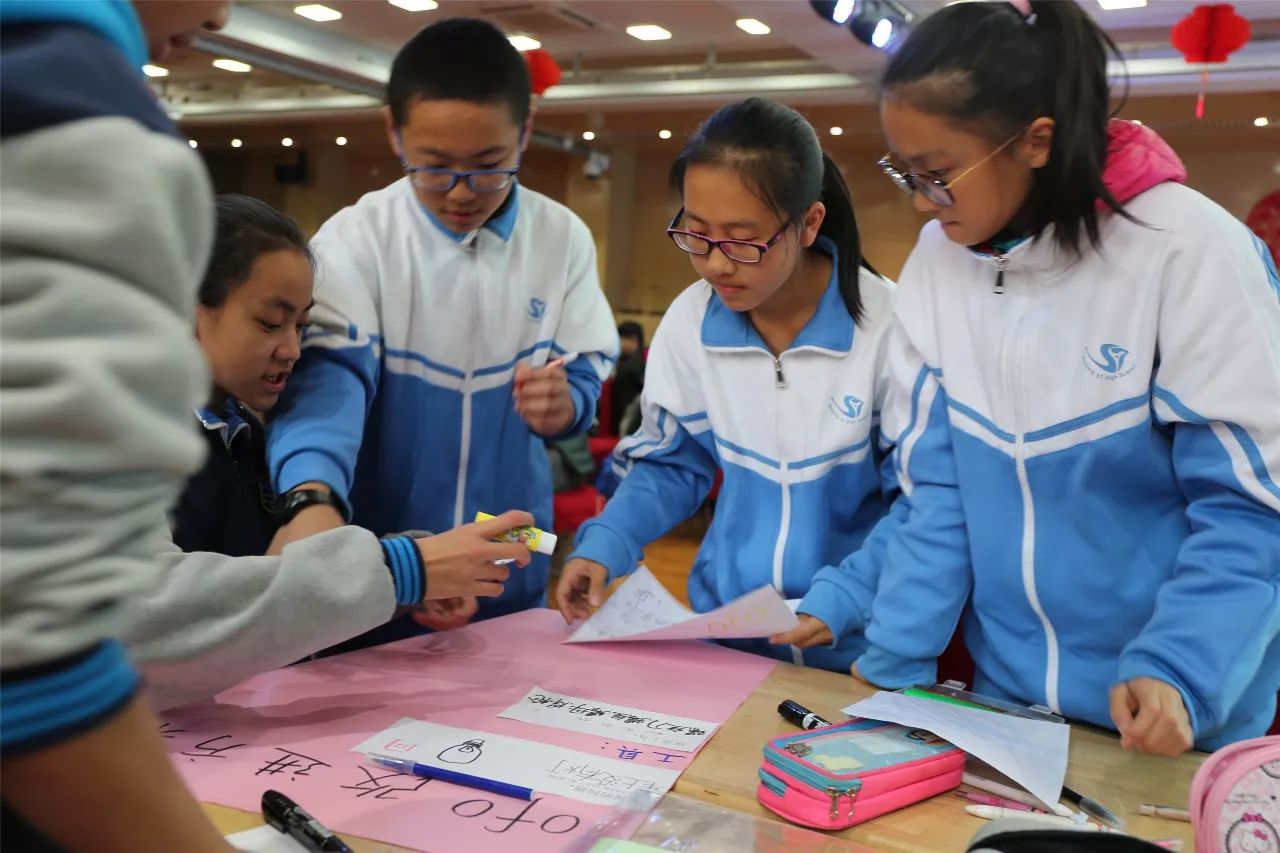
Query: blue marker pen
[(404, 765)]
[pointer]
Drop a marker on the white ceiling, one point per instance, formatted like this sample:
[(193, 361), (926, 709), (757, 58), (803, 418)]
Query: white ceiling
[(708, 57)]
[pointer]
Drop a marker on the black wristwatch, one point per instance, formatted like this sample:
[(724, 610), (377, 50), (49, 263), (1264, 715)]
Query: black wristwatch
[(296, 501)]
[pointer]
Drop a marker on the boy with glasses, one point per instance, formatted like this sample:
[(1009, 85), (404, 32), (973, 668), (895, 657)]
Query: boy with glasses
[(459, 322)]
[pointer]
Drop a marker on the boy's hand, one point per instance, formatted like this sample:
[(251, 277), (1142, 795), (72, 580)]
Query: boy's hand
[(581, 589), (542, 398), (445, 614), (460, 562), (810, 632), (1151, 717)]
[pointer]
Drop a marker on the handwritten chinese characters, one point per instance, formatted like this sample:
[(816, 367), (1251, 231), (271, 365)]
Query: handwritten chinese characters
[(547, 708)]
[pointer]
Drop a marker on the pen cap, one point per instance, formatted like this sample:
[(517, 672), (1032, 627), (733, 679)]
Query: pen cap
[(275, 809)]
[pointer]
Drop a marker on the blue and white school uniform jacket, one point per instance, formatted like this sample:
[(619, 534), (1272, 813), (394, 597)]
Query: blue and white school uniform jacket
[(1116, 425), (402, 400), (795, 439)]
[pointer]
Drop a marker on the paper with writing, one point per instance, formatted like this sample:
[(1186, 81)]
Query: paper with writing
[(264, 839), (293, 729), (630, 725), (1032, 753), (541, 767), (642, 609)]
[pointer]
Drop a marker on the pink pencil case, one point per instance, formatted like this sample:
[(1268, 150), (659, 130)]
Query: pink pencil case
[(1235, 798), (839, 776)]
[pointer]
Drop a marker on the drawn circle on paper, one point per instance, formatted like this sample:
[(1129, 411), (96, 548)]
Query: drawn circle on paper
[(555, 818), (1272, 769), (488, 807), (717, 628)]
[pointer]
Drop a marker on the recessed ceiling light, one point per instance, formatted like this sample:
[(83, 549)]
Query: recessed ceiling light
[(648, 32), (155, 71), (664, 134), (1261, 121), (193, 143), (286, 142), (588, 135), (837, 131), (1113, 5), (317, 12), (232, 65), (842, 11), (523, 43), (415, 5), (236, 143), (752, 26), (341, 140)]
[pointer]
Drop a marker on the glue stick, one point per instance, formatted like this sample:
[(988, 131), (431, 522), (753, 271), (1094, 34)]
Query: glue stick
[(537, 541)]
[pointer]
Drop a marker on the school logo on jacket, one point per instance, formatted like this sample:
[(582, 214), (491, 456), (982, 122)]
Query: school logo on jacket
[(850, 409), (1112, 362), (537, 309)]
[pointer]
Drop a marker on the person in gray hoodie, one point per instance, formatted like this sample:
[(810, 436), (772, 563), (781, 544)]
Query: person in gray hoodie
[(220, 612)]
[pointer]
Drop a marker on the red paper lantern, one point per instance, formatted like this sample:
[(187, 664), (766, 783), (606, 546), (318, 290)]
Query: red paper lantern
[(544, 71), (1211, 33), (1264, 220)]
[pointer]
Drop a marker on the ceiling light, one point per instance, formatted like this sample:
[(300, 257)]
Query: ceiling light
[(232, 65), (588, 135), (752, 26), (648, 32), (341, 140), (155, 71), (882, 34), (236, 143), (193, 143), (1261, 121), (842, 11), (1113, 5), (317, 12), (664, 134), (286, 142), (415, 5), (837, 131), (523, 43)]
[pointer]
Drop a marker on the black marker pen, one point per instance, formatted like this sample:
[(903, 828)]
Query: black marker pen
[(798, 715)]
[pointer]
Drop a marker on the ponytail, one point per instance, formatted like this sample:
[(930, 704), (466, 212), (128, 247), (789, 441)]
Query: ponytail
[(777, 154), (841, 228), (989, 70)]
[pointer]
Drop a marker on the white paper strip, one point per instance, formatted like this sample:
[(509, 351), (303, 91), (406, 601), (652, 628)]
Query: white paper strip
[(629, 725), (544, 768)]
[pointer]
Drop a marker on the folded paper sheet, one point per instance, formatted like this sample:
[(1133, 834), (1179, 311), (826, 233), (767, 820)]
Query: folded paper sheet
[(642, 609), (294, 729), (1032, 753)]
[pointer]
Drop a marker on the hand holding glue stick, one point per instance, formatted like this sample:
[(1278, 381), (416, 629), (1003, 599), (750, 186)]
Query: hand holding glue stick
[(542, 396), (537, 541)]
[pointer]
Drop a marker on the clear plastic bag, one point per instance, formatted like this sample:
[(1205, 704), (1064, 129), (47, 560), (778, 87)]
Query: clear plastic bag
[(642, 823)]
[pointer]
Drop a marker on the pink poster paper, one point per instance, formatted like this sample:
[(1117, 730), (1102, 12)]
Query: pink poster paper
[(294, 729)]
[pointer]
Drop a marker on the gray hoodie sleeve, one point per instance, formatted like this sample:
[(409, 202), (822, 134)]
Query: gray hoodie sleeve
[(212, 621), (106, 230)]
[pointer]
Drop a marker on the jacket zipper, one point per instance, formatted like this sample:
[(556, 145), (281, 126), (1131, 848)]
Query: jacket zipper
[(1001, 262), (464, 449), (1028, 544), (779, 381)]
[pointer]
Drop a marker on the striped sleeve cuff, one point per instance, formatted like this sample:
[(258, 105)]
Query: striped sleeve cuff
[(408, 573), (53, 701)]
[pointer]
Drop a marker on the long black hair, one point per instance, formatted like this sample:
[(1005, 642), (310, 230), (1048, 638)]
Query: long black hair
[(246, 229), (989, 70), (776, 152)]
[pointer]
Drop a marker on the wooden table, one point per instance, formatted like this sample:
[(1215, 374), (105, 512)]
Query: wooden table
[(725, 771)]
